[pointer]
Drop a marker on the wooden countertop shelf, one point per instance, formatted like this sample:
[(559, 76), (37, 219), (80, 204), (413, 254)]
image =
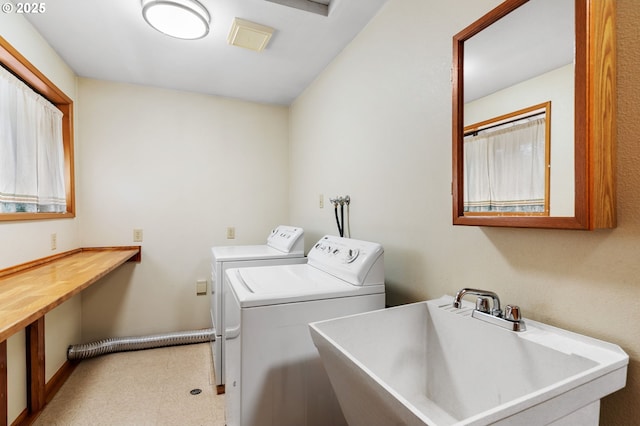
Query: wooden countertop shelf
[(30, 290)]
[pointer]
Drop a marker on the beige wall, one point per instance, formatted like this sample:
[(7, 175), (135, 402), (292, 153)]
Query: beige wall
[(181, 167), (376, 125)]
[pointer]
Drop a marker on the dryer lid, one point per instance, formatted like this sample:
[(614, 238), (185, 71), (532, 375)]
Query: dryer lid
[(257, 252)]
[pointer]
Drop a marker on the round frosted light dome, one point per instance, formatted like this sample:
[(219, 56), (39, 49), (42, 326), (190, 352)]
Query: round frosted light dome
[(185, 19)]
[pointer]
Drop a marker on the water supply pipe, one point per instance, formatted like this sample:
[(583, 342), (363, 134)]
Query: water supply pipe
[(122, 344)]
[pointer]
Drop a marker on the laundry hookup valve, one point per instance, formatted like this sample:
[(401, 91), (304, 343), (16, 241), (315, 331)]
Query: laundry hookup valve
[(342, 201)]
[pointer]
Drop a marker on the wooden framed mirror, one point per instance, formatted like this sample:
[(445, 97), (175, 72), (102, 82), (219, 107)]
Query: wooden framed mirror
[(577, 39)]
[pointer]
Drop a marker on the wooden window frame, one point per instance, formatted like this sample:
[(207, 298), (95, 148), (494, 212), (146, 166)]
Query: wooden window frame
[(17, 64)]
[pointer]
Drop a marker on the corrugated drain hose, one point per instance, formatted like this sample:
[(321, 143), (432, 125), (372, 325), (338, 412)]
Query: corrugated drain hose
[(122, 344)]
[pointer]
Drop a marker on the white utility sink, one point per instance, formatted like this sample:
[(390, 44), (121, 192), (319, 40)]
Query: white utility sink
[(431, 364)]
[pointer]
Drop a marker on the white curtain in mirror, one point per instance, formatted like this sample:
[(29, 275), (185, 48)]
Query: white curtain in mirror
[(504, 169), (31, 150)]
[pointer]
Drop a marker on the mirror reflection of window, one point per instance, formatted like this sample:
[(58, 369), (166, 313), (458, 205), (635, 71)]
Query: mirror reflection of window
[(506, 164)]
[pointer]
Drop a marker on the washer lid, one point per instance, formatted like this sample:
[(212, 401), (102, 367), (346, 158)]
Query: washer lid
[(269, 285), (281, 280)]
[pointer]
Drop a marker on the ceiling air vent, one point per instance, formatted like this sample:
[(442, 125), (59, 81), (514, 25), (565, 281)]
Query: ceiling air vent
[(249, 35)]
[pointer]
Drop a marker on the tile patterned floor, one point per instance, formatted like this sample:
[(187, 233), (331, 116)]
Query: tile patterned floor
[(148, 387)]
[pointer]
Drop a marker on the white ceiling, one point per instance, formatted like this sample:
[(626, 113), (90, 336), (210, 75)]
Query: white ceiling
[(109, 40), (535, 38)]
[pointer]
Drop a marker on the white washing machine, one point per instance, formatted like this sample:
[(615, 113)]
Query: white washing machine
[(274, 374), (285, 245)]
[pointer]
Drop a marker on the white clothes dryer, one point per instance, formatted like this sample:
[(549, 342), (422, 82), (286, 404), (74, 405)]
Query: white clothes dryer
[(274, 374), (285, 245)]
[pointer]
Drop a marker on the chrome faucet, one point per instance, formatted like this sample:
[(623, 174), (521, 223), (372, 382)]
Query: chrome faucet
[(496, 311), (511, 319)]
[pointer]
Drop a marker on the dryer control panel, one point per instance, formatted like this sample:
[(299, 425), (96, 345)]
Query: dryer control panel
[(287, 239), (357, 262)]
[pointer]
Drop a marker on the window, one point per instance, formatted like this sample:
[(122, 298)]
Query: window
[(34, 196)]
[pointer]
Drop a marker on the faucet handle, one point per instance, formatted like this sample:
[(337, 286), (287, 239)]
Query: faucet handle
[(482, 305), (512, 313)]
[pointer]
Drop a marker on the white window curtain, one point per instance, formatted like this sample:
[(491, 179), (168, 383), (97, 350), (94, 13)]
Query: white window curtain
[(504, 169), (31, 150)]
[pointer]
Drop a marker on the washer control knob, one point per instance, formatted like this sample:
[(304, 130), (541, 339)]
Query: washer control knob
[(351, 255)]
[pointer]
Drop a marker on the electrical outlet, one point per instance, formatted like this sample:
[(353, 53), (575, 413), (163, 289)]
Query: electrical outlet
[(54, 241), (321, 201), (137, 235), (231, 233), (201, 287)]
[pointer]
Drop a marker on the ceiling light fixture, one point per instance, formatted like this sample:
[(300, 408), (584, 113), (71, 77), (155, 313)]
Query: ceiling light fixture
[(185, 19)]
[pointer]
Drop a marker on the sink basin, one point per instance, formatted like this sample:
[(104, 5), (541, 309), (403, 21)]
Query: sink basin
[(428, 363)]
